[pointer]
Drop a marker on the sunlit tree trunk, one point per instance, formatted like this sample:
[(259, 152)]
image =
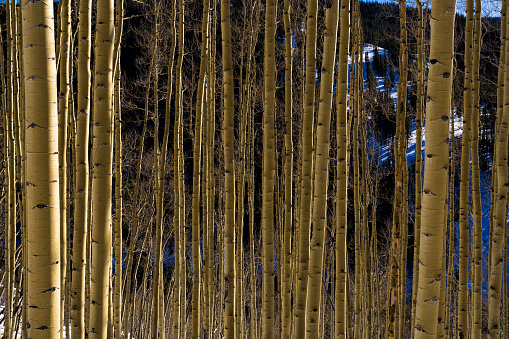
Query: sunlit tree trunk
[(42, 178), (63, 118), (342, 172), (316, 251), (418, 156), (396, 265), (269, 154), (500, 208), (229, 226), (307, 151), (476, 190), (102, 154), (463, 294), (81, 177), (435, 171), (178, 181), (288, 175)]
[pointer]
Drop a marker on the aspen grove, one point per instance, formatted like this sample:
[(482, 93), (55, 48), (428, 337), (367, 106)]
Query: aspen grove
[(254, 169)]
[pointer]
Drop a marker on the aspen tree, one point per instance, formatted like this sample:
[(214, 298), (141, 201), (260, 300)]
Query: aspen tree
[(451, 224), (63, 117), (10, 205), (435, 171), (316, 254), (396, 265), (476, 190), (102, 154), (197, 151), (43, 224), (23, 171), (209, 175), (307, 151), (269, 106), (356, 195), (418, 155), (288, 174), (208, 219), (500, 107), (342, 172), (239, 226), (250, 169), (463, 305), (159, 173), (500, 208), (179, 291), (81, 177), (229, 188), (118, 171)]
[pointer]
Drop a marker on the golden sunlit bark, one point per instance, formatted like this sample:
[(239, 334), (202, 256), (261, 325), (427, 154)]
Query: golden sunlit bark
[(316, 250), (229, 185), (269, 154), (42, 178), (102, 155), (436, 168), (342, 172)]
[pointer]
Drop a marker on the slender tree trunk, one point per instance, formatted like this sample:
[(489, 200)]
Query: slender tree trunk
[(269, 154), (463, 305), (230, 318), (179, 290), (476, 190), (418, 157), (63, 118), (321, 182), (288, 174), (102, 154), (307, 152), (500, 209), (81, 177), (342, 172)]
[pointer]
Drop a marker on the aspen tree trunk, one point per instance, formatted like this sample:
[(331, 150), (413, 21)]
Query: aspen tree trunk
[(435, 171), (118, 172), (476, 190), (43, 223), (342, 172), (23, 170), (307, 151), (196, 174), (208, 216), (396, 265), (159, 173), (179, 291), (356, 195), (102, 154), (288, 174), (418, 156), (316, 250), (269, 154), (229, 228), (63, 118), (10, 205), (210, 281), (451, 225), (500, 208), (81, 177), (463, 305), (500, 107)]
